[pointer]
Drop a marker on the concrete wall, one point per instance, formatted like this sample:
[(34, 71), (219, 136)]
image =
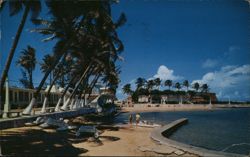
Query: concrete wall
[(167, 130), (20, 121)]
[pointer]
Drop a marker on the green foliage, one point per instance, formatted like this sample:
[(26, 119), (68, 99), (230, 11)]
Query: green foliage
[(196, 86), (27, 61), (140, 82), (168, 83), (204, 88), (177, 86), (186, 84), (150, 84), (157, 82), (127, 89)]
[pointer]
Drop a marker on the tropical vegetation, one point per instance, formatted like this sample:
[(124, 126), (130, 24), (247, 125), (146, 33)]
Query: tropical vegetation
[(27, 61), (86, 47), (151, 88)]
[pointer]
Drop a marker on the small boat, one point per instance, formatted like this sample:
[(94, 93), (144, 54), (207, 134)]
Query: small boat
[(146, 124), (38, 121), (65, 128), (87, 130)]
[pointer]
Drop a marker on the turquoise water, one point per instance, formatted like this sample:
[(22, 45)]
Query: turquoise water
[(222, 130)]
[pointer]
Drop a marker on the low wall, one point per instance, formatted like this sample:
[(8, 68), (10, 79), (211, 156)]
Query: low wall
[(167, 130), (20, 121)]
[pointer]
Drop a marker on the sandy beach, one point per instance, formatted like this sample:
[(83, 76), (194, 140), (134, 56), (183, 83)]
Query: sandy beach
[(114, 141)]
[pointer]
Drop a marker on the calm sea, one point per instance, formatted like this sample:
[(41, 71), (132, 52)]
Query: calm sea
[(222, 129)]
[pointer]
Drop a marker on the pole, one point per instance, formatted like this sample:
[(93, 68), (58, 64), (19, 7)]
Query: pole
[(7, 101)]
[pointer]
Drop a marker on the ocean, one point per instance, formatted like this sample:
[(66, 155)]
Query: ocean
[(225, 130)]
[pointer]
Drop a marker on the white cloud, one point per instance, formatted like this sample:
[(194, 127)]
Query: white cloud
[(164, 73), (232, 50), (229, 81), (209, 63)]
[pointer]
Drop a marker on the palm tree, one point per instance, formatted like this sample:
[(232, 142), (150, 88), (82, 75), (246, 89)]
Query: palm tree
[(168, 83), (157, 82), (46, 64), (177, 86), (106, 55), (63, 27), (15, 7), (196, 86), (150, 85), (140, 82), (127, 89), (186, 84), (58, 73), (204, 88), (77, 34), (27, 61)]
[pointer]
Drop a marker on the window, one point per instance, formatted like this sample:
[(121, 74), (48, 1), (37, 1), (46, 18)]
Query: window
[(26, 96), (16, 97), (3, 97), (30, 96), (42, 96), (39, 97), (51, 98), (10, 95), (21, 96)]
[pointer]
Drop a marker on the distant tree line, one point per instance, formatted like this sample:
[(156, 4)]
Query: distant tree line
[(152, 87)]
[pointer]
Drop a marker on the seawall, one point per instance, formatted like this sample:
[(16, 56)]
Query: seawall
[(160, 135), (20, 121)]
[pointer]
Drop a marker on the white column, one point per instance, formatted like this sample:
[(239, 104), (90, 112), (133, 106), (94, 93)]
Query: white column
[(57, 108), (72, 104), (43, 110), (7, 99)]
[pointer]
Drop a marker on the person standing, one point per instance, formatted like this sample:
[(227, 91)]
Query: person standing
[(130, 119), (137, 118)]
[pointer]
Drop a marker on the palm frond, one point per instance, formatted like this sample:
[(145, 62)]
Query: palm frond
[(41, 22), (15, 7), (121, 21), (49, 38), (35, 8)]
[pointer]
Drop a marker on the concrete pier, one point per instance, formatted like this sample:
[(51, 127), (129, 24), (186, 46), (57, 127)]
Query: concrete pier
[(160, 135)]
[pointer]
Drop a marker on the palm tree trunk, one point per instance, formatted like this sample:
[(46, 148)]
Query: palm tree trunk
[(13, 48), (31, 86), (48, 93), (27, 110), (62, 96), (92, 85), (64, 107), (80, 98)]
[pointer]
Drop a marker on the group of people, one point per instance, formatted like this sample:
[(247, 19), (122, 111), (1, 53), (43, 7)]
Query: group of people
[(137, 118)]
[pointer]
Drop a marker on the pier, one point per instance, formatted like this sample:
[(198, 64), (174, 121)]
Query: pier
[(161, 135)]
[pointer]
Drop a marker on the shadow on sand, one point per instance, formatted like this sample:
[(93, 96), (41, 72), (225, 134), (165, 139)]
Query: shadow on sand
[(40, 143)]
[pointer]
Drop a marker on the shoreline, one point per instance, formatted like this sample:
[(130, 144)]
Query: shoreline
[(178, 107), (169, 107), (114, 140)]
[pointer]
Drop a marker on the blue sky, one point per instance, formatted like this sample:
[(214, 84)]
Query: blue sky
[(205, 41)]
